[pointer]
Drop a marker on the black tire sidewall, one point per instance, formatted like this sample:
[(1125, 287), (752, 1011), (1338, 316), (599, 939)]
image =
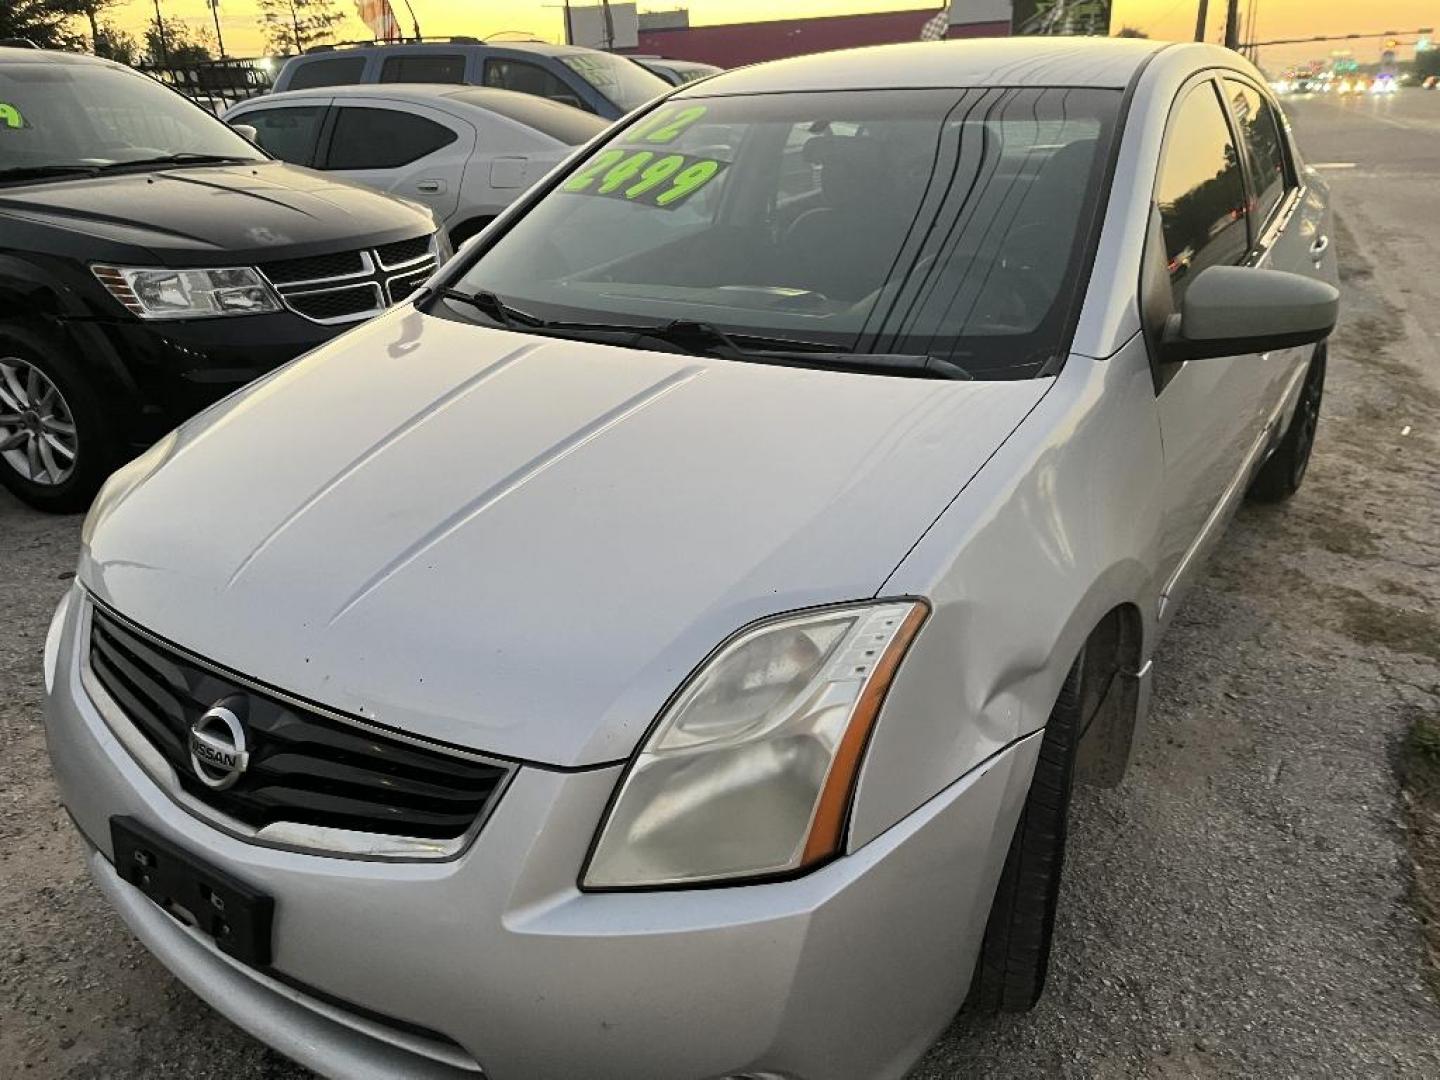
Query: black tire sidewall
[(95, 454)]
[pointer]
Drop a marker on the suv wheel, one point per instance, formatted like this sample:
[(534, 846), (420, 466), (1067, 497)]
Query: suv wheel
[(1015, 954), (54, 452)]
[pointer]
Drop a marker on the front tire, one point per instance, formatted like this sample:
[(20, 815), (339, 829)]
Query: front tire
[(55, 446), (1281, 475), (1015, 954)]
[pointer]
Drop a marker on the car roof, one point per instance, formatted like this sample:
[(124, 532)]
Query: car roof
[(544, 48), (463, 94), (1017, 61), (9, 55)]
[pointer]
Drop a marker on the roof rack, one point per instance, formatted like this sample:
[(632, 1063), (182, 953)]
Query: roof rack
[(458, 39)]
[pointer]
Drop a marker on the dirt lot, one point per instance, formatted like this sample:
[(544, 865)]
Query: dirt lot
[(1238, 907)]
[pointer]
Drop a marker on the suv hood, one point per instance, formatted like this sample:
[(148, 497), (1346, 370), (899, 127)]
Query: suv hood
[(227, 215), (523, 545)]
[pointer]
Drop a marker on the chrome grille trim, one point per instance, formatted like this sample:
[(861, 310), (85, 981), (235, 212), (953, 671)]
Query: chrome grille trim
[(373, 272)]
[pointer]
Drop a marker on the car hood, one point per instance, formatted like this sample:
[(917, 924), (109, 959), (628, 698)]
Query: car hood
[(227, 214), (523, 545)]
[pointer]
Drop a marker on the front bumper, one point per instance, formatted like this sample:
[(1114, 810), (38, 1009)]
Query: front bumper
[(176, 368), (847, 972)]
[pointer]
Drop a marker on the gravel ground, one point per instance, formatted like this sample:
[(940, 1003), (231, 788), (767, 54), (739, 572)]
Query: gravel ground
[(1236, 908)]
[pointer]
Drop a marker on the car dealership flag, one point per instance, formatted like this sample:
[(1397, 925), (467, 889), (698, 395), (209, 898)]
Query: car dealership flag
[(936, 27), (380, 18)]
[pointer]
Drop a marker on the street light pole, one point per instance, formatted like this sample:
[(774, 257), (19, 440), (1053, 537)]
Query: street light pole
[(219, 37), (1201, 19)]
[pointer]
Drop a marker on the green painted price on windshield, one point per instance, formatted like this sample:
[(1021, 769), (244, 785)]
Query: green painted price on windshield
[(650, 177), (10, 116)]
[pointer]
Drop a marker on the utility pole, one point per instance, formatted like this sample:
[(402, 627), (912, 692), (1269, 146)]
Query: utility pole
[(569, 33), (1232, 24), (160, 36), (1201, 19)]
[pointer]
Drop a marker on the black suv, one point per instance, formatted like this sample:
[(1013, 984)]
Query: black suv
[(152, 260)]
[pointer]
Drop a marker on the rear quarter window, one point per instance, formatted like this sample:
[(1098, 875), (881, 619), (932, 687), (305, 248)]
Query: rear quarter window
[(327, 71), (383, 139)]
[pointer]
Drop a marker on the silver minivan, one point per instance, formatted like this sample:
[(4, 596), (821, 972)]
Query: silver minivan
[(665, 648)]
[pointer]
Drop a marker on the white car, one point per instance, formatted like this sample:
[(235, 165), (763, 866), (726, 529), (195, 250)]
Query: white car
[(464, 151)]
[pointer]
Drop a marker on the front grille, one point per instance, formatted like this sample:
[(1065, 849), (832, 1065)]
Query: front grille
[(351, 286), (304, 767), (336, 303), (403, 251), (315, 268)]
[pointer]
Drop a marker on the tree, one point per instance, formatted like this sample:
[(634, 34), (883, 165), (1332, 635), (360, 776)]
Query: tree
[(45, 22), (175, 45), (1131, 31), (111, 43), (295, 25), (1427, 63)]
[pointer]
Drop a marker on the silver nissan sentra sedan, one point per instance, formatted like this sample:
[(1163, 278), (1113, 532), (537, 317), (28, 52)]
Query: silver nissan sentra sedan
[(664, 649)]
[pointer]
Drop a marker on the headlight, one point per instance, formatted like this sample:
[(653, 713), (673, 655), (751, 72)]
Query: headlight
[(749, 772), (188, 294)]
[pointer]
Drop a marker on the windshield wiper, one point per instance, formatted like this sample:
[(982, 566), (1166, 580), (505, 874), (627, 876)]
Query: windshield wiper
[(181, 159), (36, 172), (706, 339)]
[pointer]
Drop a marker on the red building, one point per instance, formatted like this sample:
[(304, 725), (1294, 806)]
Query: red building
[(734, 44)]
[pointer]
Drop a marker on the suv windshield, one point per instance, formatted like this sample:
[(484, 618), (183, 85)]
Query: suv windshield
[(622, 82), (81, 117), (945, 223)]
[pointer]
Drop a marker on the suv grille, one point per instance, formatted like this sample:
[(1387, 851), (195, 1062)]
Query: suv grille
[(350, 286), (304, 767)]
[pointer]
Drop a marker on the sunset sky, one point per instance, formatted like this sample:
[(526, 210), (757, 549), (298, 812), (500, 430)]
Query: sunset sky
[(1159, 18)]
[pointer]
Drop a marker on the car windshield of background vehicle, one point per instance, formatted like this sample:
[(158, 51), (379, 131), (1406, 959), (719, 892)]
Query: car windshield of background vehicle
[(948, 223), (621, 81), (92, 116)]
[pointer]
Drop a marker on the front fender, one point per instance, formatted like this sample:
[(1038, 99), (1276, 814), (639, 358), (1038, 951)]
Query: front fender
[(1056, 531)]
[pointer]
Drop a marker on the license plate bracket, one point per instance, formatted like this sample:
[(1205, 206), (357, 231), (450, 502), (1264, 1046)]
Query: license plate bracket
[(237, 916)]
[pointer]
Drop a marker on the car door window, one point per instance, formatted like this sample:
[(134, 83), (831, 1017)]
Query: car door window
[(440, 68), (288, 133), (383, 139), (527, 78), (1201, 190), (333, 71), (1260, 132)]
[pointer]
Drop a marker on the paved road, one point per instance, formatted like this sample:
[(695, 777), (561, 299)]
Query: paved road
[(1236, 908)]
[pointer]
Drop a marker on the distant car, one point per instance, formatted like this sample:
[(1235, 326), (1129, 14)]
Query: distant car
[(677, 72), (1430, 81), (665, 649), (599, 82), (152, 261), (1384, 84), (464, 151)]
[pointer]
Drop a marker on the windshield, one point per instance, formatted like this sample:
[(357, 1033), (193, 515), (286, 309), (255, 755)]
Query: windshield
[(623, 83), (92, 115), (949, 223)]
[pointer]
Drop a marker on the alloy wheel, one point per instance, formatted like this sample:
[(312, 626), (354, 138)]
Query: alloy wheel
[(37, 429)]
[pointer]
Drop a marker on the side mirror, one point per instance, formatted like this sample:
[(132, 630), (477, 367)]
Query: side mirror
[(1229, 310), (248, 131)]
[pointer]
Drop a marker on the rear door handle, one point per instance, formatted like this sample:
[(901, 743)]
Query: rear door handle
[(432, 187), (1319, 247)]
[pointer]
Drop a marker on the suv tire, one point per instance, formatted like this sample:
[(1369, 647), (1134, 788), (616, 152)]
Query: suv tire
[(56, 447)]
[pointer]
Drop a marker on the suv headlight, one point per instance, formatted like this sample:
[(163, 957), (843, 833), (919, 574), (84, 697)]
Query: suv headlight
[(154, 293), (749, 771)]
